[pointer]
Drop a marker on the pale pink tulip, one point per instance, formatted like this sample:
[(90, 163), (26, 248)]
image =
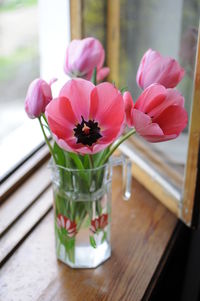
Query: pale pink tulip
[(158, 114), (83, 56), (37, 98), (86, 118), (155, 68)]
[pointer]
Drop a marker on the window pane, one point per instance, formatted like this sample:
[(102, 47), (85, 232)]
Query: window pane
[(19, 59), (19, 65), (32, 45)]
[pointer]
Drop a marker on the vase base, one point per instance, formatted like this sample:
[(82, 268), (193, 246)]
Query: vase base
[(87, 257)]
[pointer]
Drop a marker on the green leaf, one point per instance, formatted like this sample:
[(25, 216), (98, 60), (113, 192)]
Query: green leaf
[(93, 242), (86, 162), (77, 161), (59, 154), (99, 156)]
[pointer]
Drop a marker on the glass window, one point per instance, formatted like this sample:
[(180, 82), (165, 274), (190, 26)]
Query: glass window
[(32, 45), (19, 59), (19, 65)]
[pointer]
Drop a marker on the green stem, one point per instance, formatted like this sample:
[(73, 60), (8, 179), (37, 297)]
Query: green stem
[(94, 76), (91, 161), (44, 117), (115, 146), (47, 140)]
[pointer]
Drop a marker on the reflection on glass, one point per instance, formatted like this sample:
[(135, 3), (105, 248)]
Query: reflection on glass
[(170, 27), (94, 19), (19, 59)]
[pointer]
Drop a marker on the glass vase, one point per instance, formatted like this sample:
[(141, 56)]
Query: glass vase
[(82, 213)]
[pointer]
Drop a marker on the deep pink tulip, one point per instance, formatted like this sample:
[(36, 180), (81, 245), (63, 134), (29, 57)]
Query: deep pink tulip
[(86, 118), (83, 56), (158, 114), (155, 68), (37, 98)]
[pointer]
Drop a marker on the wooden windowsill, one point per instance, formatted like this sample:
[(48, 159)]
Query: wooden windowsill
[(142, 229)]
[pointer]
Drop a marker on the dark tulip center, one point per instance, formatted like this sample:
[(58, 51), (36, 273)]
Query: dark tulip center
[(87, 132)]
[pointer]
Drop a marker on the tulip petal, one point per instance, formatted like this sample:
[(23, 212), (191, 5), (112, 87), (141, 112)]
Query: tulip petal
[(140, 120), (60, 111), (172, 120), (109, 135), (102, 73), (152, 129), (144, 125), (107, 106), (141, 67), (162, 138), (173, 97), (170, 73), (152, 96), (128, 103), (78, 92), (60, 130)]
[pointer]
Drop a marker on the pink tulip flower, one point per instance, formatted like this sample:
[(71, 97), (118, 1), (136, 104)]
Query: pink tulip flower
[(155, 68), (85, 118), (38, 96), (158, 114), (83, 56)]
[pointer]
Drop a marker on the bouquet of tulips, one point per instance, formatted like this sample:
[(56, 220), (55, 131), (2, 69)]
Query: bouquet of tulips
[(89, 118)]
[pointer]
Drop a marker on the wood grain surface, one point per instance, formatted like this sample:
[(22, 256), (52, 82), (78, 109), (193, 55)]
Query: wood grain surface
[(141, 231)]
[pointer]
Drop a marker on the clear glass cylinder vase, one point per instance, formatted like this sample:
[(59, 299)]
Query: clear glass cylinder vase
[(82, 212)]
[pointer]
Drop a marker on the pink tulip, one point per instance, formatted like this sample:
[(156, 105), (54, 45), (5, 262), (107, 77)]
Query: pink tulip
[(154, 68), (37, 98), (158, 114), (128, 103), (85, 118), (83, 56)]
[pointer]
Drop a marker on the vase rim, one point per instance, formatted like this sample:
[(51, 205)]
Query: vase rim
[(52, 164)]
